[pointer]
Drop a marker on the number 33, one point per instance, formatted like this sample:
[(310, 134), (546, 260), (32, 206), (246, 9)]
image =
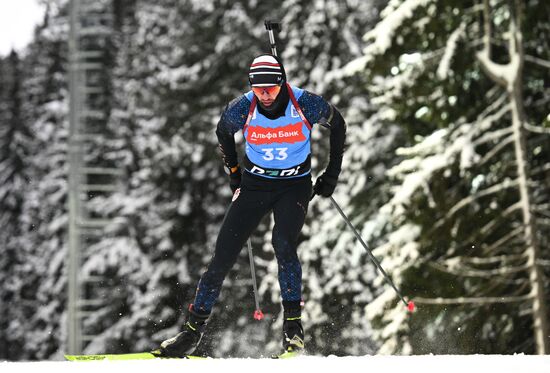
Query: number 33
[(281, 154)]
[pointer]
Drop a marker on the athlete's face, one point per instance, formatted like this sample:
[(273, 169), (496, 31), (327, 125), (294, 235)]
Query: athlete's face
[(267, 95)]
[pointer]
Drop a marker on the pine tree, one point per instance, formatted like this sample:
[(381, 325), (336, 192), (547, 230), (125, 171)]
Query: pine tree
[(14, 148), (34, 328), (465, 232)]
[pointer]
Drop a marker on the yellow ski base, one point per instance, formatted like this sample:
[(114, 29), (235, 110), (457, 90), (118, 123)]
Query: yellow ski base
[(134, 356), (288, 355)]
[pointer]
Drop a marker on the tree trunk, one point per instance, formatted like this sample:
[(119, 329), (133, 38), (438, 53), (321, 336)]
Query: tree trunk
[(540, 324), (510, 76)]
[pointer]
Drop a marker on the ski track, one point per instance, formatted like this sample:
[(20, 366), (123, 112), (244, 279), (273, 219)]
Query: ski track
[(382, 364)]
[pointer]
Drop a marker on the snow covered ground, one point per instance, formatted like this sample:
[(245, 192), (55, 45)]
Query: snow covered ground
[(309, 364)]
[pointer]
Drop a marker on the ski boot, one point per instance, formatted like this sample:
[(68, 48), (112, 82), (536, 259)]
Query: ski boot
[(186, 342), (293, 335)]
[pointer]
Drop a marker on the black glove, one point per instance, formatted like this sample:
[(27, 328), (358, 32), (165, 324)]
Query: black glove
[(325, 185), (235, 179)]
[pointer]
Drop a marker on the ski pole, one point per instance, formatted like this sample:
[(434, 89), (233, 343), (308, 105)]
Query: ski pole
[(258, 314), (272, 26), (410, 305)]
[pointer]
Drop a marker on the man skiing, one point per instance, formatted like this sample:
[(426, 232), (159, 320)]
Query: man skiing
[(276, 120)]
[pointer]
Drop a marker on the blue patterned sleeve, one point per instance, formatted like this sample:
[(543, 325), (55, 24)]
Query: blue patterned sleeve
[(314, 107), (234, 116), (232, 120), (318, 110)]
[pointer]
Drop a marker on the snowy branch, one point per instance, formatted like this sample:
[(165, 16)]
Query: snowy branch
[(536, 129), (384, 31), (543, 221), (494, 103), (541, 169), (494, 151), (520, 286), (477, 300), (443, 68), (537, 61), (489, 226), (543, 262), (493, 136), (483, 261), (487, 27), (506, 239), (543, 209), (382, 36), (485, 120), (543, 213), (482, 273), (502, 74), (487, 192)]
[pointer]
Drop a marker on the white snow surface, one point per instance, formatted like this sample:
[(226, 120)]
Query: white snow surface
[(382, 364)]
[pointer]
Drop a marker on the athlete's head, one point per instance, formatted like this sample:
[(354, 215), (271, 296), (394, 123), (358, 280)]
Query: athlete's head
[(266, 76)]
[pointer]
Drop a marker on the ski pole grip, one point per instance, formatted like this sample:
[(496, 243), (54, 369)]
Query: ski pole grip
[(271, 27)]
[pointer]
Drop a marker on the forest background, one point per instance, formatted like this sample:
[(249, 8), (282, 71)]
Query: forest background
[(446, 175)]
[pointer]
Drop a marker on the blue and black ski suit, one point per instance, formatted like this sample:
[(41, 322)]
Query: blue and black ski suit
[(276, 178)]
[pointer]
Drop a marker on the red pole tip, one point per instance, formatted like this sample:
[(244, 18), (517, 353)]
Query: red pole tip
[(258, 315), (410, 306)]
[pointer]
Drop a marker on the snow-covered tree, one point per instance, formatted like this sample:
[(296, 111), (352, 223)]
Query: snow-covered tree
[(34, 191), (14, 148), (467, 232), (44, 211)]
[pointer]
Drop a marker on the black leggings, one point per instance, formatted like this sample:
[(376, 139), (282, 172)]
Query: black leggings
[(288, 199)]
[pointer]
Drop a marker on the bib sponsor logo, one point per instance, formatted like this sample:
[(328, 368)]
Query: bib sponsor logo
[(276, 173), (291, 133)]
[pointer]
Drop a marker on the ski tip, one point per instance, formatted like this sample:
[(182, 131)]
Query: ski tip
[(290, 353), (287, 355), (411, 306)]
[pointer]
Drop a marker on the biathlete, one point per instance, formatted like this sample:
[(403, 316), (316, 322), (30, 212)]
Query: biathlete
[(276, 120)]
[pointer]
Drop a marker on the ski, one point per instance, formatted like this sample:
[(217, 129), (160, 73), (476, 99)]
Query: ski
[(287, 355), (154, 355), (131, 356), (150, 356)]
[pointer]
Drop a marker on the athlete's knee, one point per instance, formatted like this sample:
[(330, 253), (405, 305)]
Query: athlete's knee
[(284, 246), (225, 256)]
